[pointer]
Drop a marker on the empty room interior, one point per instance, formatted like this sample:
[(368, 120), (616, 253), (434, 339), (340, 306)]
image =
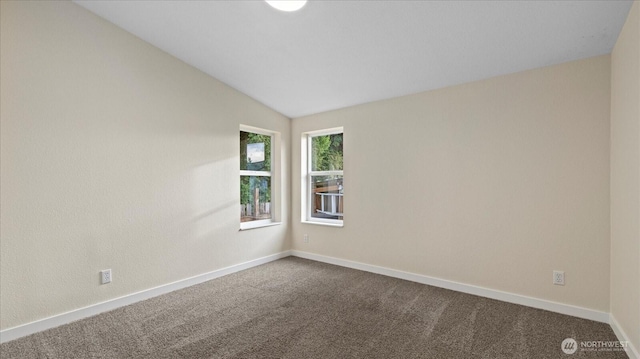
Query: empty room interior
[(320, 179)]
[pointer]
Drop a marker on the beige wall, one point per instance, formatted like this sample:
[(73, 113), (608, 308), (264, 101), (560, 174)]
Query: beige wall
[(625, 178), (114, 155), (494, 183)]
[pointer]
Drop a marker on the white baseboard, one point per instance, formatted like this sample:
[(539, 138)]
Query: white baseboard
[(68, 317), (465, 288), (632, 351)]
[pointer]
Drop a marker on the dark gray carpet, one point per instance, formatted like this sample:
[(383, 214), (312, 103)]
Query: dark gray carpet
[(296, 308)]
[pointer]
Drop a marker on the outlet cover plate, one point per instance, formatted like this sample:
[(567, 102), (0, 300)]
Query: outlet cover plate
[(105, 276)]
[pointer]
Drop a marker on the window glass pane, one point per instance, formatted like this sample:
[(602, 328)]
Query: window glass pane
[(255, 198), (326, 152), (255, 152), (326, 197)]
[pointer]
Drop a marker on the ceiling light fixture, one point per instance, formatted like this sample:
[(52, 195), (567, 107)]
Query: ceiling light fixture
[(287, 5)]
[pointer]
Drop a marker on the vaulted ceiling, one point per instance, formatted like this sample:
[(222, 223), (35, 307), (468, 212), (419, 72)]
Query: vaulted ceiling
[(334, 54)]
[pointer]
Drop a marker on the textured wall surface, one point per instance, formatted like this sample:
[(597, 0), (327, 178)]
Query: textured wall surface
[(114, 155), (494, 183), (625, 178)]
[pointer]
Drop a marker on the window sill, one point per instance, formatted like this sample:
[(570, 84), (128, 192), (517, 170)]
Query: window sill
[(246, 228), (339, 225)]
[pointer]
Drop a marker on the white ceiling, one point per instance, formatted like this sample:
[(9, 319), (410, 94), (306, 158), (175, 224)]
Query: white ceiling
[(334, 54)]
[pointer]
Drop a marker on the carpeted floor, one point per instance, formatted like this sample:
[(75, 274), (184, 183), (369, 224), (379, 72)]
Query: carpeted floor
[(296, 308)]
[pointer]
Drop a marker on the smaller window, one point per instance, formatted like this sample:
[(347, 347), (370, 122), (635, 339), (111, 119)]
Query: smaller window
[(257, 182), (324, 180)]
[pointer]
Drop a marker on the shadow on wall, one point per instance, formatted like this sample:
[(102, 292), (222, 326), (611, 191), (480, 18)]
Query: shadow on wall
[(214, 198)]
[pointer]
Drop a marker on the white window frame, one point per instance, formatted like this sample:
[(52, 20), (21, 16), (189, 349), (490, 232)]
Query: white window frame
[(276, 186), (307, 174)]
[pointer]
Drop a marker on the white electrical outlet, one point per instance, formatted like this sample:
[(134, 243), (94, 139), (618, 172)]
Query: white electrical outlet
[(558, 277), (306, 238), (105, 276)]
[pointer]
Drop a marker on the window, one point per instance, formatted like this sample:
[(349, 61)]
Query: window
[(324, 180), (257, 187)]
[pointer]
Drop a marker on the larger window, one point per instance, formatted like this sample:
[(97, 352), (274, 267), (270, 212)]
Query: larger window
[(325, 177), (256, 179)]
